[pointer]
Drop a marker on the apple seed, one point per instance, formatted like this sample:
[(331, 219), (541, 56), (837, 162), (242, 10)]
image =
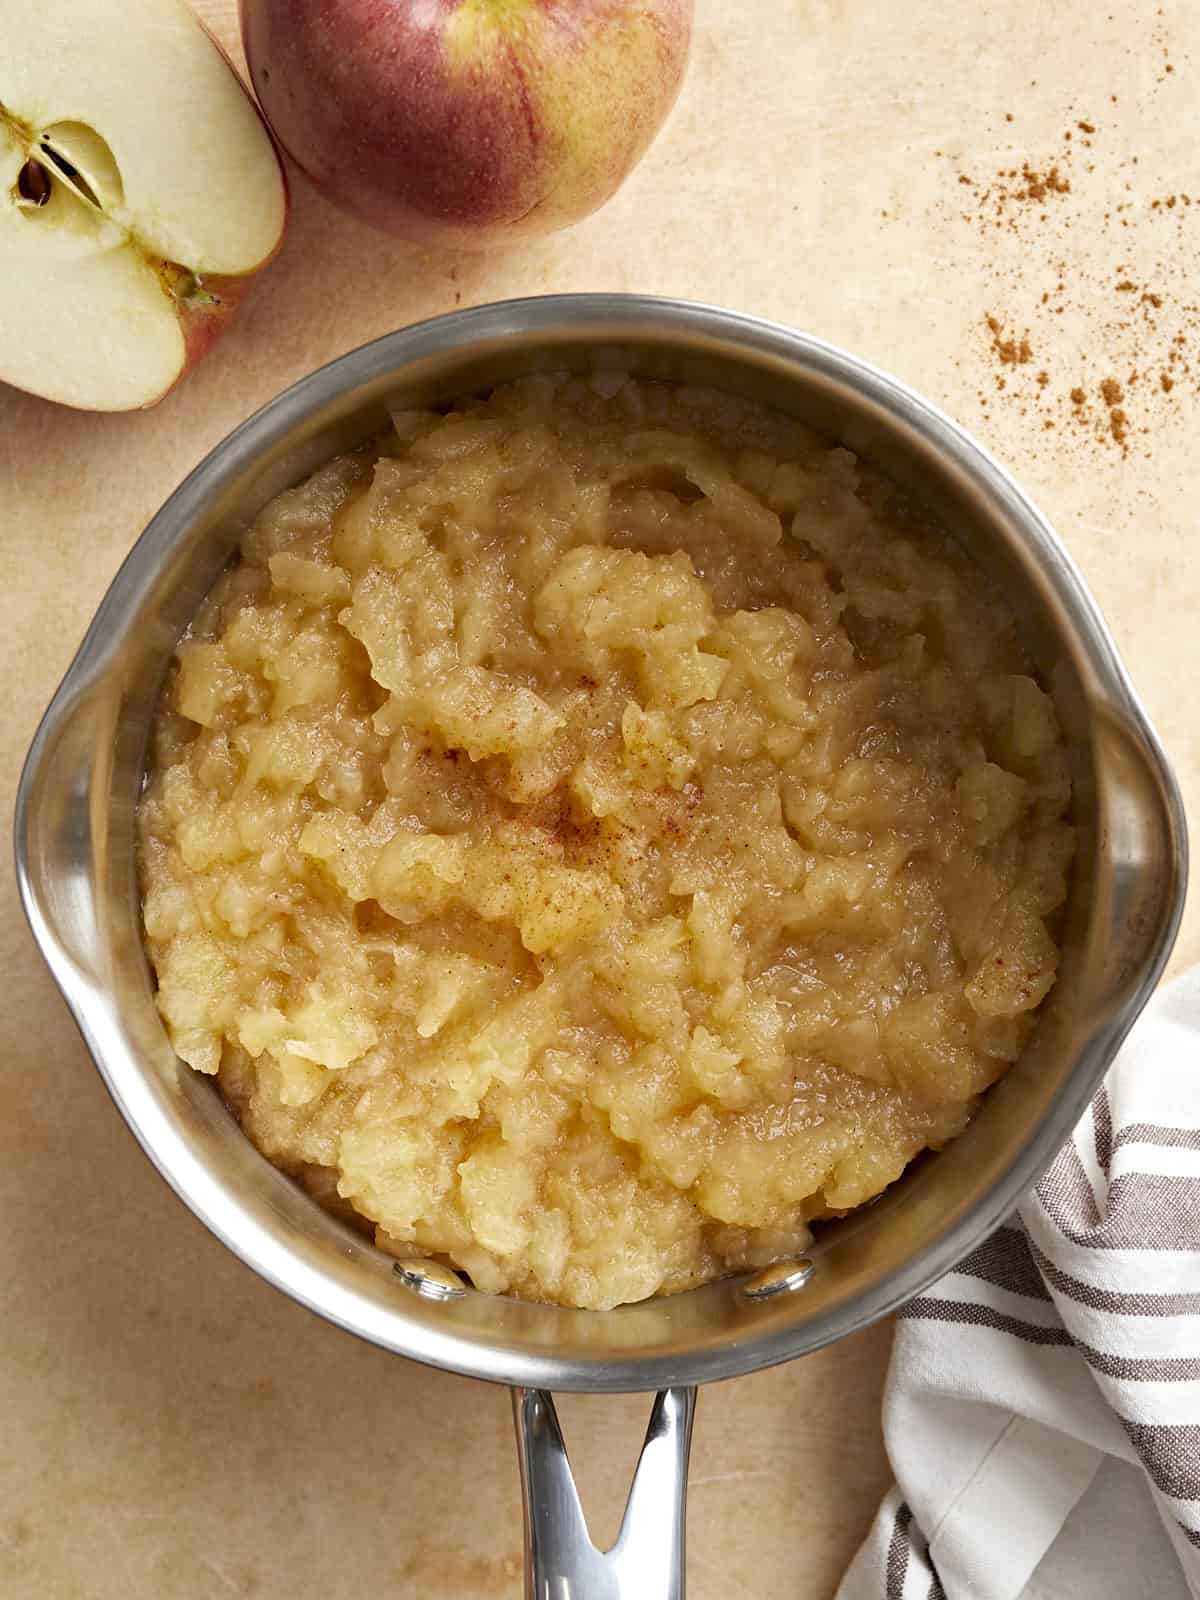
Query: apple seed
[(33, 183), (67, 170)]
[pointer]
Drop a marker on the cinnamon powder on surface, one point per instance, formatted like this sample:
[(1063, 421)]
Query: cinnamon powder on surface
[(1132, 372)]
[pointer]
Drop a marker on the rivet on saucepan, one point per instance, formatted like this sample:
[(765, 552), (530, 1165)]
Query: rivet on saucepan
[(430, 1279), (782, 1278)]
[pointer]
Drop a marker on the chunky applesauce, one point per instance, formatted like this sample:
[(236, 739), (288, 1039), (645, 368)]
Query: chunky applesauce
[(597, 831)]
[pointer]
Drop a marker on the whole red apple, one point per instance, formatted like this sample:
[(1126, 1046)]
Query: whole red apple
[(466, 122)]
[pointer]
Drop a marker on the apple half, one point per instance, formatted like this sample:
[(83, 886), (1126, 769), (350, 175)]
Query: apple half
[(139, 193)]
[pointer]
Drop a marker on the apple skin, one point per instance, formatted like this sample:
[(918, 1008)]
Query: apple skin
[(203, 319), (466, 122)]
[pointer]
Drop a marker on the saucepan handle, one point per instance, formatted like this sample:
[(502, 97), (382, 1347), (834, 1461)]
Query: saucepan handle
[(647, 1561)]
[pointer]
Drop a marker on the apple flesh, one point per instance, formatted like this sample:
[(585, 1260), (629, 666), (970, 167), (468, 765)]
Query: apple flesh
[(139, 193), (466, 122)]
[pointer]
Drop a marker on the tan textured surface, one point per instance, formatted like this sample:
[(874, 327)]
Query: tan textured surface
[(148, 1454)]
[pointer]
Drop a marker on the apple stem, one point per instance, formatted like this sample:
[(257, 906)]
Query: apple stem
[(185, 286)]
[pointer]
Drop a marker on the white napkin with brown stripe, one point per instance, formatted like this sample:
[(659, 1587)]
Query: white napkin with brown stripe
[(1042, 1411)]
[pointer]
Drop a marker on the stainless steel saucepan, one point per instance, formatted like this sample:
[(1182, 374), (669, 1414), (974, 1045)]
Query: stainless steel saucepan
[(75, 861)]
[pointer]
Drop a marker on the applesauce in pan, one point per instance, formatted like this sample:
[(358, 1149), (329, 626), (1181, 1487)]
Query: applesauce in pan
[(597, 831)]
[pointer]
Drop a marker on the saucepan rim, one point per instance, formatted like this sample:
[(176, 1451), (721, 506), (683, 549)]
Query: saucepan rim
[(650, 320)]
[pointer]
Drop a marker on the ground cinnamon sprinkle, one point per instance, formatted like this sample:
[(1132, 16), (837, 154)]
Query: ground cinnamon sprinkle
[(1017, 186), (1084, 313), (1112, 394), (1010, 352), (1038, 185)]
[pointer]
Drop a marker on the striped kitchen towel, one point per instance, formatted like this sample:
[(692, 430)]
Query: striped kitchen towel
[(1042, 1411)]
